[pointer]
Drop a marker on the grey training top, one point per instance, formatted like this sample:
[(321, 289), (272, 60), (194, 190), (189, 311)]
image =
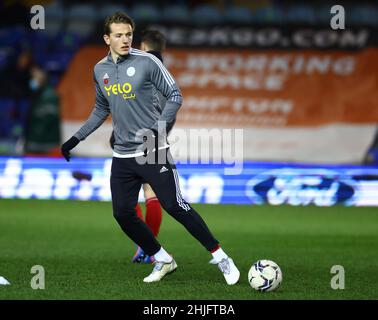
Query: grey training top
[(127, 90)]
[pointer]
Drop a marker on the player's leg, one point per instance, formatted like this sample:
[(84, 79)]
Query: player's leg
[(153, 220), (139, 212), (140, 256), (125, 185), (154, 213), (163, 179)]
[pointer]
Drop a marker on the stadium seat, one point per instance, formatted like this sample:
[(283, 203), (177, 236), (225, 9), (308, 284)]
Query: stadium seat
[(62, 41), (5, 55), (176, 13), (268, 15), (143, 13), (6, 106), (206, 14), (41, 41), (109, 9), (13, 116), (54, 61), (366, 15), (323, 14), (301, 14), (82, 20), (237, 15), (23, 106), (55, 18), (13, 36), (67, 42)]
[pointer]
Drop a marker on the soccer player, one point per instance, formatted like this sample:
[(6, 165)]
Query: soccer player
[(126, 81), (152, 41)]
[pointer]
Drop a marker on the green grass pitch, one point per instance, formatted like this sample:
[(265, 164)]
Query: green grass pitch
[(86, 256)]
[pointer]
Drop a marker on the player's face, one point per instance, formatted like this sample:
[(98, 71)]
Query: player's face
[(143, 46), (120, 38)]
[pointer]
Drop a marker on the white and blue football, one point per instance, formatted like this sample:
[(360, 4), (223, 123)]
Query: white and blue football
[(265, 275)]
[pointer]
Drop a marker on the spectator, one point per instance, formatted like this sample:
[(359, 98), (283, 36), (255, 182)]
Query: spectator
[(14, 82), (14, 85), (42, 132)]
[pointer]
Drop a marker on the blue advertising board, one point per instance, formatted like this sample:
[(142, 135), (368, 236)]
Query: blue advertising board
[(257, 182)]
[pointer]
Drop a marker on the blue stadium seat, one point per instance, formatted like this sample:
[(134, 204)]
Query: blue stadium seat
[(82, 11), (366, 15), (40, 41), (268, 15), (238, 15), (13, 36), (82, 20), (301, 14), (206, 14), (5, 55), (55, 61), (63, 41), (55, 18), (143, 13), (23, 107), (109, 9), (13, 115), (6, 106), (176, 13), (323, 14), (67, 42)]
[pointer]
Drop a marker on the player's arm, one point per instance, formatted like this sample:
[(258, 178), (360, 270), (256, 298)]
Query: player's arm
[(165, 83), (99, 114)]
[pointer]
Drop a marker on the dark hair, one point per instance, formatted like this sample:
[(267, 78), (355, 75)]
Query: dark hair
[(118, 17), (154, 39)]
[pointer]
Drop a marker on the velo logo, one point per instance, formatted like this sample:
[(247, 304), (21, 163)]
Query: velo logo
[(125, 90)]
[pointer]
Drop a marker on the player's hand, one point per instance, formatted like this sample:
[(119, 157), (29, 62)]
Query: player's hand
[(68, 146), (150, 141)]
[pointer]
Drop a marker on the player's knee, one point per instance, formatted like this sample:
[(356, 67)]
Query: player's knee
[(148, 192), (124, 213), (177, 209)]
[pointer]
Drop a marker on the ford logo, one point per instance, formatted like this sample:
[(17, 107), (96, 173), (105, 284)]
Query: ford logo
[(321, 187)]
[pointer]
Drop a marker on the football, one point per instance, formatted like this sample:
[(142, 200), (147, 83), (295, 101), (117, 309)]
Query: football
[(265, 275)]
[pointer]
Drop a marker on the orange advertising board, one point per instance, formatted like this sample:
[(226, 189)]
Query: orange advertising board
[(244, 88)]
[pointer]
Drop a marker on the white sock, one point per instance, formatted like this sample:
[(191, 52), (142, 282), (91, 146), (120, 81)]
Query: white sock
[(219, 254), (162, 256)]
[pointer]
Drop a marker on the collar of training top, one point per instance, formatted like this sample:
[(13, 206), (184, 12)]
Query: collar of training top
[(120, 58)]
